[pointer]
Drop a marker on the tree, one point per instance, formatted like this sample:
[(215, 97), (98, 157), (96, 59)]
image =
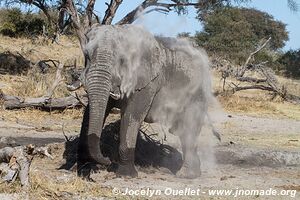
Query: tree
[(80, 14), (14, 23), (290, 63), (233, 32)]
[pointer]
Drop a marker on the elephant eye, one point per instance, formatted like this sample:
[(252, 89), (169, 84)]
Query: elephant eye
[(123, 61)]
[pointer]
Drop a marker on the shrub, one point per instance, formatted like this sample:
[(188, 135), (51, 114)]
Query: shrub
[(16, 24), (290, 63)]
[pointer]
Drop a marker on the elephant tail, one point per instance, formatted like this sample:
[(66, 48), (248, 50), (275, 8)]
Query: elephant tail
[(214, 131)]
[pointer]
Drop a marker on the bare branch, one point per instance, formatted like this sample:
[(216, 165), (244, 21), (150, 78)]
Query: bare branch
[(133, 15), (80, 100), (69, 7), (161, 10), (89, 13), (42, 5), (57, 81), (254, 87), (111, 11), (251, 80), (242, 71)]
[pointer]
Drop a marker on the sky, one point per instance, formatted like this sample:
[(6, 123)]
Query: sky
[(172, 24)]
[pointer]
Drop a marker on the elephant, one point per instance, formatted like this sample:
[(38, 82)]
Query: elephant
[(150, 79)]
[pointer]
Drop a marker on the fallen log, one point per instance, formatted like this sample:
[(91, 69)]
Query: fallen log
[(43, 103), (15, 162)]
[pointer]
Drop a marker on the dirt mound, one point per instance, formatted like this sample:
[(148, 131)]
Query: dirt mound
[(13, 64)]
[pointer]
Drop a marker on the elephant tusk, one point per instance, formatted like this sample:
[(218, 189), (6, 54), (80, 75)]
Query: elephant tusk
[(74, 86), (115, 96)]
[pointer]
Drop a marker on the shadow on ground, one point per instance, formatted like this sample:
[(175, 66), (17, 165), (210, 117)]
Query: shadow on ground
[(13, 64), (149, 152)]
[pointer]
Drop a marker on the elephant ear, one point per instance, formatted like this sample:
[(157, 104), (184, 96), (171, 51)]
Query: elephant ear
[(139, 61)]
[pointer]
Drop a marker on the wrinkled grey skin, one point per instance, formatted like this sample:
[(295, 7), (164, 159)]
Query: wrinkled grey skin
[(150, 79)]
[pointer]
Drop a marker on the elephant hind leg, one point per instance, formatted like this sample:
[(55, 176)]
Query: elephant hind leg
[(188, 127), (133, 114)]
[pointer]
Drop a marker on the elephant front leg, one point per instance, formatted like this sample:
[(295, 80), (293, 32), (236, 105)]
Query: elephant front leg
[(128, 136), (133, 114)]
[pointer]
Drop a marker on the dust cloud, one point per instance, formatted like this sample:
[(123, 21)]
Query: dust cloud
[(138, 58)]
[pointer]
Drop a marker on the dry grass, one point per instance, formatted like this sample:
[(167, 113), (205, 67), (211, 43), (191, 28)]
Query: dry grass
[(32, 85), (44, 186), (66, 188), (236, 103), (260, 107), (69, 120), (49, 183), (293, 86), (66, 52), (282, 141), (260, 103), (36, 84)]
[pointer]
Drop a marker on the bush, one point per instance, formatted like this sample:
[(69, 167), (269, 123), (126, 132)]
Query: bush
[(290, 64), (8, 29), (16, 24)]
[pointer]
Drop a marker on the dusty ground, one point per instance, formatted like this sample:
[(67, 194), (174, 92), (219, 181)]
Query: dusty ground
[(255, 153)]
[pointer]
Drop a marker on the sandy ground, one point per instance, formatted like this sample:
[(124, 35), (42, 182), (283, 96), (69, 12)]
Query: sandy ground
[(255, 154)]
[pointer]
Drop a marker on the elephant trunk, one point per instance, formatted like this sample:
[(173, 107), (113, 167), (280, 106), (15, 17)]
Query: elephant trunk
[(98, 83)]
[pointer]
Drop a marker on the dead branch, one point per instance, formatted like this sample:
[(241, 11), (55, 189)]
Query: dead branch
[(43, 103), (167, 7), (15, 162), (89, 11), (6, 153), (243, 69), (57, 81), (266, 81), (44, 7), (42, 151), (111, 11), (131, 16), (68, 6), (254, 87), (251, 80), (80, 100)]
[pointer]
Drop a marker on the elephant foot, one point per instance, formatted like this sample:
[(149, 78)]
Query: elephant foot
[(84, 170), (188, 172), (126, 165), (127, 170), (102, 160)]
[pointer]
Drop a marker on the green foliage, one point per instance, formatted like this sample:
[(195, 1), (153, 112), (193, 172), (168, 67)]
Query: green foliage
[(206, 7), (8, 29), (290, 63), (14, 23), (184, 35), (293, 5), (234, 33)]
